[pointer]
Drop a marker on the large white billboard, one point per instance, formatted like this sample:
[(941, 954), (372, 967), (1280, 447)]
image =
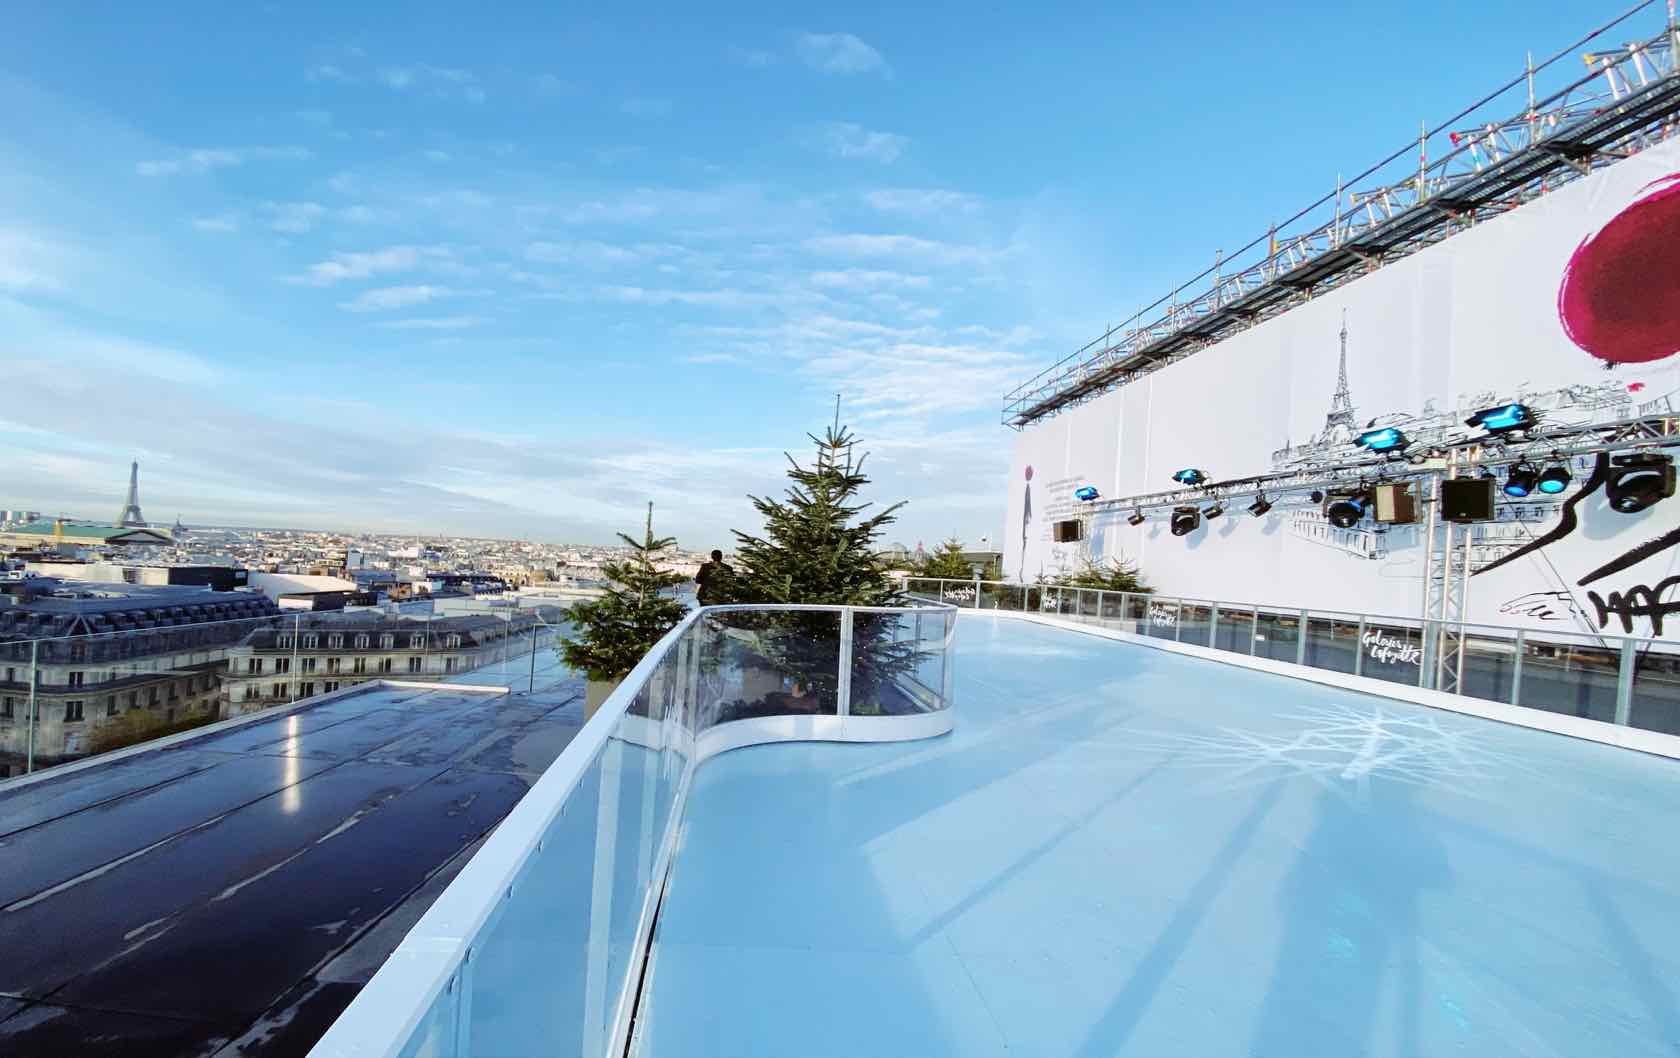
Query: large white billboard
[(1572, 301)]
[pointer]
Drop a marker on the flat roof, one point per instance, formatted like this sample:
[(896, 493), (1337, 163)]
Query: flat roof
[(231, 894), (1125, 851)]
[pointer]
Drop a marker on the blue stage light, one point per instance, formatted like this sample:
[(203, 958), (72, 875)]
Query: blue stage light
[(1520, 481), (1387, 439), (1085, 492), (1554, 480), (1190, 476), (1502, 419)]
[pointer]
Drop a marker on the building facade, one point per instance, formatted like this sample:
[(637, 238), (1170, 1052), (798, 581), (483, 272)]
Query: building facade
[(109, 656)]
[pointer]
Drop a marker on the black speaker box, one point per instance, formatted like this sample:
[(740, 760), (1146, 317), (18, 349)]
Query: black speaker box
[(1467, 500), (1395, 504)]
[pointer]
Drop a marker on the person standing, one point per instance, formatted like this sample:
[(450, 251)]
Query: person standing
[(711, 578)]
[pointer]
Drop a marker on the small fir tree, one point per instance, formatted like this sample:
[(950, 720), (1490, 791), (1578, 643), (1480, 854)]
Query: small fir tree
[(818, 546), (634, 614), (1114, 575), (948, 563)]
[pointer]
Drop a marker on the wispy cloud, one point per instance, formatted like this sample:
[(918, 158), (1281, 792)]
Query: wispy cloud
[(204, 159), (863, 279), (31, 263), (754, 58), (294, 218), (442, 81), (921, 202), (838, 53), (343, 266), (221, 223), (843, 139), (385, 298), (328, 72), (903, 246), (435, 323)]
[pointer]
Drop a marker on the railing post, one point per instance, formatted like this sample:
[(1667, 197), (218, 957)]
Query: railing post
[(1101, 595), (976, 591), (1359, 648), (1253, 630), (1624, 683), (1427, 652), (297, 633), (536, 621), (1178, 620), (34, 678), (1301, 641), (1213, 627), (845, 686), (1516, 669)]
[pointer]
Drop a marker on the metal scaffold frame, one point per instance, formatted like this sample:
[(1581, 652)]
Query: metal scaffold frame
[(1485, 166)]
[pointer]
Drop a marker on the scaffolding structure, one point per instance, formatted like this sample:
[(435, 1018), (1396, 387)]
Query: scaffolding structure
[(1627, 101)]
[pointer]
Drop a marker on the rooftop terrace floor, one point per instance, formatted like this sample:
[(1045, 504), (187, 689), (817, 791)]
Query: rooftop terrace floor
[(1125, 851), (230, 895)]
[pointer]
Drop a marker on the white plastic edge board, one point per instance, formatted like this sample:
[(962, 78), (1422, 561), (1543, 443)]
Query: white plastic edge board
[(1634, 738), (71, 767)]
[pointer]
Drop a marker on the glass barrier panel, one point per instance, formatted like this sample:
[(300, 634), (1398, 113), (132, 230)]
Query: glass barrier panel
[(958, 593), (1277, 635), (1235, 631), (1331, 643), (1489, 665), (1111, 608), (1162, 622), (783, 663), (1393, 652), (1087, 600), (1194, 623), (1001, 596), (922, 588), (1656, 689), (1569, 673), (436, 1033), (898, 662), (1135, 612)]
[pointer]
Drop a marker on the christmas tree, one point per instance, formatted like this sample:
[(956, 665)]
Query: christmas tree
[(819, 546), (948, 563), (634, 614)]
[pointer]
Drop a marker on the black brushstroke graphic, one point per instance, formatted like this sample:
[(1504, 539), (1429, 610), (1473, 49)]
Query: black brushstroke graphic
[(1641, 600), (1633, 556), (1567, 523), (1542, 605)]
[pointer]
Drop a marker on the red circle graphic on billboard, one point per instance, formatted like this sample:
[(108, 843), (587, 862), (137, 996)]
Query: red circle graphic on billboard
[(1029, 473), (1619, 300)]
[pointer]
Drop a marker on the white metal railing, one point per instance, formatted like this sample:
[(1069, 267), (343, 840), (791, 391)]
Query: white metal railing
[(1620, 679), (537, 946)]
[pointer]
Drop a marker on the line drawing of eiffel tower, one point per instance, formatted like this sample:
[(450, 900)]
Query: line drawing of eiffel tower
[(131, 510), (1342, 421)]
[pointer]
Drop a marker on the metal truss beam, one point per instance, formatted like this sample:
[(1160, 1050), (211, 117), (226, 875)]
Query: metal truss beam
[(1628, 100)]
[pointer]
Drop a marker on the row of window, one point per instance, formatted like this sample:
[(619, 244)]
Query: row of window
[(335, 641), (75, 709)]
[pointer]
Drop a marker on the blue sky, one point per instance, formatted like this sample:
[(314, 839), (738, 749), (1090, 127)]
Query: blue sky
[(429, 267)]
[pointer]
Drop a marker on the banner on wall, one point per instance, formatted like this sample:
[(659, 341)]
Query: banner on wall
[(1568, 304)]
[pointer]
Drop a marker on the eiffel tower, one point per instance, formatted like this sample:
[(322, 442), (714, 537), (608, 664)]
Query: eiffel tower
[(1341, 415), (131, 515)]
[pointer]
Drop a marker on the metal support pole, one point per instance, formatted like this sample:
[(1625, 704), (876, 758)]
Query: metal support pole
[(531, 684), (845, 692), (1213, 627), (297, 633), (1253, 630), (1178, 622), (34, 678), (1359, 648), (1624, 684), (1301, 641), (977, 591), (1516, 669)]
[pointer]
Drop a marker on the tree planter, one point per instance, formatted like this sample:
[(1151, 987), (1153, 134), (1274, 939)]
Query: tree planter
[(596, 692)]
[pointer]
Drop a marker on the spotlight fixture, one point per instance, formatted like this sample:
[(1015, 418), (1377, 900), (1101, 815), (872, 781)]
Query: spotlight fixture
[(1087, 493), (1191, 476), (1185, 520), (1520, 480), (1136, 517), (1638, 481), (1260, 505), (1346, 511), (1503, 419), (1316, 495), (1554, 479), (1213, 511), (1387, 439)]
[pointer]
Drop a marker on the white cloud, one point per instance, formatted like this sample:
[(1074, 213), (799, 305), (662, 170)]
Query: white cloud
[(294, 218), (328, 72), (755, 58), (862, 279), (434, 323), (220, 222), (204, 159), (843, 139), (440, 81), (397, 78), (28, 262), (342, 266), (713, 358), (840, 53), (314, 117), (906, 246), (550, 86), (382, 298), (437, 156), (921, 202)]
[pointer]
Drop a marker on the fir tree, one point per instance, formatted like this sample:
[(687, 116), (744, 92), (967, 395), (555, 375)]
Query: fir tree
[(1114, 575), (947, 562), (634, 614), (819, 546)]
